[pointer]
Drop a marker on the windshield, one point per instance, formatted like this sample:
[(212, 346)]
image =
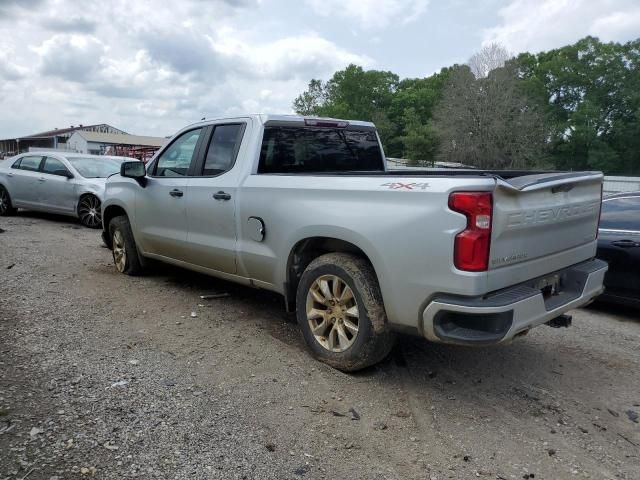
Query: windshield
[(95, 167)]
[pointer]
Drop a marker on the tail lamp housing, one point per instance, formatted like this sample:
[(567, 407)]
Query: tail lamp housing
[(472, 245)]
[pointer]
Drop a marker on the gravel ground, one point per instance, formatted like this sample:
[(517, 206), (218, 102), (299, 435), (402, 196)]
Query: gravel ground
[(108, 376)]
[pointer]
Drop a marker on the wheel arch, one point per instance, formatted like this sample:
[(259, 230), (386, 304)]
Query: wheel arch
[(108, 214), (305, 251)]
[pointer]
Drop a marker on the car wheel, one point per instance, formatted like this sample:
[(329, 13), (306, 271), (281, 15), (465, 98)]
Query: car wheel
[(341, 313), (6, 207), (89, 211), (123, 247)]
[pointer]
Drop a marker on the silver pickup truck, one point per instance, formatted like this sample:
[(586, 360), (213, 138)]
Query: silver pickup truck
[(306, 207)]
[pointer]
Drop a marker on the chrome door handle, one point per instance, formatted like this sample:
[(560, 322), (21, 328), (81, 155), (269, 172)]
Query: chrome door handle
[(41, 179), (176, 193), (9, 174), (222, 195)]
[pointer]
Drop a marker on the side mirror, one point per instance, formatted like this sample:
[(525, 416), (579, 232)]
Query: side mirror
[(135, 170), (64, 173)]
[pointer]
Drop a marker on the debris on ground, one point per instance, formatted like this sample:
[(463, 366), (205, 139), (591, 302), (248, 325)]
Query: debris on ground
[(632, 415), (354, 415), (121, 383), (213, 296)]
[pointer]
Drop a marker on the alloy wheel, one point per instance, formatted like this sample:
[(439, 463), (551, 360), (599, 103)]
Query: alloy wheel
[(89, 211), (119, 251), (332, 313)]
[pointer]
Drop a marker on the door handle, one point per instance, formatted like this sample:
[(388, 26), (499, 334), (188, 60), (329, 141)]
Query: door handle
[(222, 195), (625, 243), (41, 179), (176, 193), (9, 174)]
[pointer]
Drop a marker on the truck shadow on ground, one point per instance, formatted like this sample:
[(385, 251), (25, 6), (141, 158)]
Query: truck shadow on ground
[(424, 359)]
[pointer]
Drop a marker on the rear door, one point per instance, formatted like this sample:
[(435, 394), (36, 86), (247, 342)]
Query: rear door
[(57, 191), (211, 200), (619, 245), (161, 215), (25, 184)]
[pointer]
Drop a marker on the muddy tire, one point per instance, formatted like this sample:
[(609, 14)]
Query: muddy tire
[(6, 207), (123, 247), (341, 314)]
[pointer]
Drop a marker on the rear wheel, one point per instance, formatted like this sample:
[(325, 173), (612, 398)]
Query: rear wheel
[(89, 211), (341, 314), (123, 246), (6, 207)]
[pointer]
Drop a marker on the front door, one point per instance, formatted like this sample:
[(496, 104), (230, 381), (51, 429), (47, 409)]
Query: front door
[(211, 201), (161, 215)]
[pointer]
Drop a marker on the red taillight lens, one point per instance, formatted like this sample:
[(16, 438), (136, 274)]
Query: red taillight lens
[(471, 248)]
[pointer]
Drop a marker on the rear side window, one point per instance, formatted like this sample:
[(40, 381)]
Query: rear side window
[(621, 214), (31, 163), (308, 149), (223, 148)]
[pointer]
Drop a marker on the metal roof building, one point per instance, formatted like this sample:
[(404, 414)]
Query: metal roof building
[(96, 143), (51, 139)]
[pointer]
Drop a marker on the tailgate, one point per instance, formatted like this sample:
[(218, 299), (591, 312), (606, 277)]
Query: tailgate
[(544, 215)]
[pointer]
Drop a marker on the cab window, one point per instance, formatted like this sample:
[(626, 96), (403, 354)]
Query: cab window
[(176, 159), (223, 149)]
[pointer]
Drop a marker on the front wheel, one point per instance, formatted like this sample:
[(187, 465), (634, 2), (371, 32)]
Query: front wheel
[(6, 207), (123, 246), (341, 314), (89, 211)]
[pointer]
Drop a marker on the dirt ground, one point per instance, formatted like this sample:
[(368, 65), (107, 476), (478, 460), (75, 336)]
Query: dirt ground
[(108, 376)]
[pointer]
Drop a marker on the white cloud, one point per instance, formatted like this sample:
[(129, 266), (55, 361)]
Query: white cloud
[(286, 58), (372, 14), (535, 25), (151, 67), (72, 57)]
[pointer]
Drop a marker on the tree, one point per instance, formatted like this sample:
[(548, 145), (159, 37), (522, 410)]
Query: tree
[(489, 122), (352, 94), (419, 141), (311, 100), (591, 92), (489, 58)]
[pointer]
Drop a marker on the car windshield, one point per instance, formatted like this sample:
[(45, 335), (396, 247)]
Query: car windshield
[(95, 167)]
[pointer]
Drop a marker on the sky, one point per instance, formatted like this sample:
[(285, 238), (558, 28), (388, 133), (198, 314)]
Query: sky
[(150, 67)]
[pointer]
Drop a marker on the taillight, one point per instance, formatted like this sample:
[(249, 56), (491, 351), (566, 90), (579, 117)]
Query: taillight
[(471, 248)]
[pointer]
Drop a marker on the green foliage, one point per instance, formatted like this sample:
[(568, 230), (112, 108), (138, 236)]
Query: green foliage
[(576, 107), (592, 93)]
